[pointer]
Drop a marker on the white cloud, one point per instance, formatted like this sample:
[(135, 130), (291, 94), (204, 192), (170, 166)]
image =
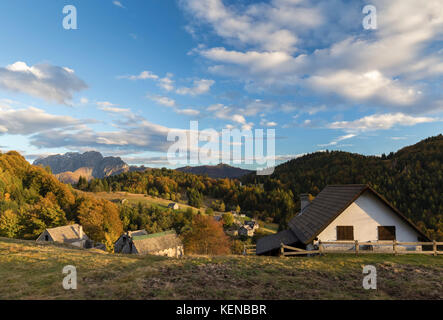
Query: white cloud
[(142, 76), (51, 83), (167, 83), (393, 66), (105, 104), (366, 86), (118, 4), (165, 101), (31, 120), (337, 140), (200, 86), (265, 26), (267, 123), (84, 100), (188, 112), (221, 111), (115, 110), (380, 122)]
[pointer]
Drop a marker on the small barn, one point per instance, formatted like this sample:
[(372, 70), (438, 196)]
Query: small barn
[(246, 230), (161, 244), (173, 206), (121, 246), (72, 234), (344, 212)]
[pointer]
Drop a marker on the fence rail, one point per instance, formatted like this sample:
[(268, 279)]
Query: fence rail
[(249, 249), (357, 250)]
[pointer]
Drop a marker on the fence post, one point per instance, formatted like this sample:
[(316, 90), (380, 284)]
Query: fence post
[(434, 247), (320, 247), (282, 250), (356, 247), (394, 246)]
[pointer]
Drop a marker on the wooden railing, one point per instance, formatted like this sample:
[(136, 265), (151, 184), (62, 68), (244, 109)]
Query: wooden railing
[(249, 249), (355, 249)]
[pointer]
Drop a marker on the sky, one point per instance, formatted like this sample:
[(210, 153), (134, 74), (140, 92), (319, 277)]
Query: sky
[(133, 72)]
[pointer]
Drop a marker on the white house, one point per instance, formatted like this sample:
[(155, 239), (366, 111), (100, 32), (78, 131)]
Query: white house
[(344, 212), (173, 206)]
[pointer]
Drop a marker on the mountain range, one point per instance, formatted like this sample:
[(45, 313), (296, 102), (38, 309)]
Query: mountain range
[(69, 167)]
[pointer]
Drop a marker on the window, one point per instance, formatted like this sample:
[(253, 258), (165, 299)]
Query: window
[(386, 233), (345, 233), (46, 237)]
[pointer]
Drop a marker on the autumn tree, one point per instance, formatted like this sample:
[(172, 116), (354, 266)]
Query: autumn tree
[(206, 236), (228, 219), (100, 220)]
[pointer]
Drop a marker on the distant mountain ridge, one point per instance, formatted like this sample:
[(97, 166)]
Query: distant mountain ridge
[(218, 171), (70, 166)]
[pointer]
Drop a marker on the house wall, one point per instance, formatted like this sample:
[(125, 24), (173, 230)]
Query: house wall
[(175, 252), (42, 236), (365, 215)]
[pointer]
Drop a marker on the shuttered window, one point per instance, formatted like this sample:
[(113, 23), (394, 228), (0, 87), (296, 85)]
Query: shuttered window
[(386, 233), (345, 233)]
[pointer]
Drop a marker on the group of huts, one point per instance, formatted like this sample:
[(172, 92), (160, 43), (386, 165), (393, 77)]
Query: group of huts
[(132, 242), (337, 213)]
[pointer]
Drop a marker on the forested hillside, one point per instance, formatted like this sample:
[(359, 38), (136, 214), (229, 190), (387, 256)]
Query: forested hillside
[(411, 179), (32, 199)]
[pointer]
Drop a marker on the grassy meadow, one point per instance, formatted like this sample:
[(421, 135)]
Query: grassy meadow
[(34, 271)]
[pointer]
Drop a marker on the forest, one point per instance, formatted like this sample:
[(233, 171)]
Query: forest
[(32, 199), (411, 179)]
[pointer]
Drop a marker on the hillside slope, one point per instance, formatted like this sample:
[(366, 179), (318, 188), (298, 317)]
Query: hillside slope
[(218, 171), (34, 271), (411, 179), (32, 199)]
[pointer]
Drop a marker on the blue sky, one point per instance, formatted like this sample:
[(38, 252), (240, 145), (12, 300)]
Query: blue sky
[(135, 70)]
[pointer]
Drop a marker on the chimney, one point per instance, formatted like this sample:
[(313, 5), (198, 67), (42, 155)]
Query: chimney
[(304, 201), (80, 232)]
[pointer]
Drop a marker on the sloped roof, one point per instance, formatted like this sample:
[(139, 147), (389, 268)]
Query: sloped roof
[(273, 241), (156, 242), (66, 233), (136, 233), (328, 205)]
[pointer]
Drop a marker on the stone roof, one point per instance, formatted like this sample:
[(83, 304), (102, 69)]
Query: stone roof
[(146, 244), (68, 233)]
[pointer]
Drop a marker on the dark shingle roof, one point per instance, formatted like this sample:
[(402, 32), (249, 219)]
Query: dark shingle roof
[(328, 205), (273, 241)]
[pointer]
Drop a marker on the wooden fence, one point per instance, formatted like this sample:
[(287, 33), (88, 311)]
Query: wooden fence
[(355, 249), (249, 249)]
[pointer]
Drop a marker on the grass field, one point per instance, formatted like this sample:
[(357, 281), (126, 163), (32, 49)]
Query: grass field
[(34, 271)]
